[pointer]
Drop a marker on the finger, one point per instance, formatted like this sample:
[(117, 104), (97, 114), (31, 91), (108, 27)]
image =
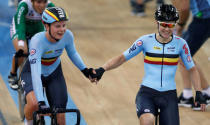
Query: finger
[(90, 77), (92, 80), (94, 72)]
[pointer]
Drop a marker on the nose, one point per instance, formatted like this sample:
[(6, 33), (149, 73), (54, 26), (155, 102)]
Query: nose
[(42, 6)]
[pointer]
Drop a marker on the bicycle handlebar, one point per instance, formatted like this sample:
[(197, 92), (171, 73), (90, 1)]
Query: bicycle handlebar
[(54, 111)]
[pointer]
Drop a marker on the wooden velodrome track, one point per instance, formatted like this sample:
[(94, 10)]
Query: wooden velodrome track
[(102, 30)]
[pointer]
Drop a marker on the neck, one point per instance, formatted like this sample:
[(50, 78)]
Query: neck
[(49, 38), (162, 39)]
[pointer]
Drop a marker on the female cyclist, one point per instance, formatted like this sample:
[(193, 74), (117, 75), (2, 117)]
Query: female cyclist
[(161, 54), (43, 68)]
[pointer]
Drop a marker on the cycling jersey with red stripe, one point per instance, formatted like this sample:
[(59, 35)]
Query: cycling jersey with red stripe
[(45, 57), (160, 60)]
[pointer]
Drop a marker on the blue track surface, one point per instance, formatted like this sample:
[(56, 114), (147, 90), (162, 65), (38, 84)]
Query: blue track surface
[(6, 52)]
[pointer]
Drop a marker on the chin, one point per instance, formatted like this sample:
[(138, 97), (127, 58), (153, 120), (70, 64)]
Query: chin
[(60, 37)]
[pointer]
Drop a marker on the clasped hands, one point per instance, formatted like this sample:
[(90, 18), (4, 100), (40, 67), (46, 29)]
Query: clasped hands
[(94, 75)]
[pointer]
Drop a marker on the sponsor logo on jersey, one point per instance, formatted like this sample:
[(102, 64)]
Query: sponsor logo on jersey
[(132, 48), (157, 48), (31, 13), (58, 51), (139, 43), (32, 61), (32, 52), (48, 52), (186, 51), (171, 49), (19, 14)]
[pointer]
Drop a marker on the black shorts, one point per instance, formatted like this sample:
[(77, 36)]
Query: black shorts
[(197, 33), (55, 86), (149, 100)]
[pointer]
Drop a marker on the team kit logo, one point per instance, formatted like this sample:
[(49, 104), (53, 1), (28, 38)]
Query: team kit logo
[(32, 52), (171, 49), (137, 44), (186, 51)]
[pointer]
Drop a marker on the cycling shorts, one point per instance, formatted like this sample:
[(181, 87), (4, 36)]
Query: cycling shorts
[(149, 100), (54, 84)]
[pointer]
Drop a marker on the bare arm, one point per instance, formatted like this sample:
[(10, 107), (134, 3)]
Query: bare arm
[(114, 62), (195, 78), (183, 6), (197, 86)]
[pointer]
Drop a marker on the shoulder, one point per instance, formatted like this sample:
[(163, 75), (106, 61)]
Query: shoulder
[(23, 5), (179, 39), (145, 38), (39, 37), (68, 34), (149, 36)]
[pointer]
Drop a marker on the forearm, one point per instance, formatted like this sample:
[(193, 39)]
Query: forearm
[(183, 6), (114, 62), (195, 78)]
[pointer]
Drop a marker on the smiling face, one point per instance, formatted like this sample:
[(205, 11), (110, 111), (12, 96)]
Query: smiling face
[(57, 30), (166, 28), (39, 5)]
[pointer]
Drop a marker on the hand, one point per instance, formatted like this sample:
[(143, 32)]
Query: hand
[(199, 99), (90, 74), (42, 105), (99, 73)]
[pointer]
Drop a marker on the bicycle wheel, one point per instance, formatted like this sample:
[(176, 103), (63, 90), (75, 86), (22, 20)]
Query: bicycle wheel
[(21, 100), (21, 95)]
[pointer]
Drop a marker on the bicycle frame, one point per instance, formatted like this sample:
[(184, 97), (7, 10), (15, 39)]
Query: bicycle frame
[(53, 113)]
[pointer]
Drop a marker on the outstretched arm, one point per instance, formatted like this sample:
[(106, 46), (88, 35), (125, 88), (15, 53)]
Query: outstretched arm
[(114, 62), (109, 65)]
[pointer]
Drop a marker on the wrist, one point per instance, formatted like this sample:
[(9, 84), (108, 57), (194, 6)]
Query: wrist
[(21, 43), (102, 69), (85, 71)]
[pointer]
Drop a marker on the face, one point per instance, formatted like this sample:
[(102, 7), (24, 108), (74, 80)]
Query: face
[(39, 5), (166, 28), (57, 29)]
